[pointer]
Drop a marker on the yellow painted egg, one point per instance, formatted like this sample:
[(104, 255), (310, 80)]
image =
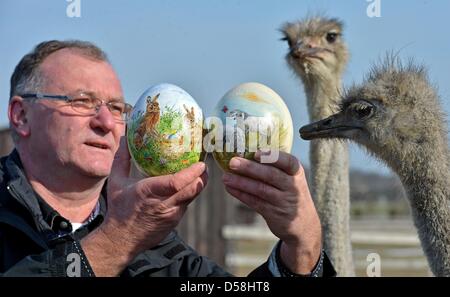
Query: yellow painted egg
[(250, 116)]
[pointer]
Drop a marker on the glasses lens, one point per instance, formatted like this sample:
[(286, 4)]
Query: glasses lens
[(119, 110), (83, 105), (89, 106)]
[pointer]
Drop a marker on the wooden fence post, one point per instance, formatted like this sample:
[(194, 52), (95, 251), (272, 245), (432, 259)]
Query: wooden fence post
[(201, 226)]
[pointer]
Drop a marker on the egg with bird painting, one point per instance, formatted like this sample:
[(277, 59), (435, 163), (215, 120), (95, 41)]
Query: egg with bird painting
[(249, 117), (164, 130)]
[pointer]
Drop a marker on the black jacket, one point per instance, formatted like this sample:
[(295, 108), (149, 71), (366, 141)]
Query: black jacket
[(36, 241)]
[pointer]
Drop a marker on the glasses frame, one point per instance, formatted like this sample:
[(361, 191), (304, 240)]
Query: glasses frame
[(69, 99)]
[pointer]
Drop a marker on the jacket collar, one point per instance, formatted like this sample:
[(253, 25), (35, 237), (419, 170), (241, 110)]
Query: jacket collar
[(22, 192)]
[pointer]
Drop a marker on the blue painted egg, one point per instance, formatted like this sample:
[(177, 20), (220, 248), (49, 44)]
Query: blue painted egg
[(252, 117)]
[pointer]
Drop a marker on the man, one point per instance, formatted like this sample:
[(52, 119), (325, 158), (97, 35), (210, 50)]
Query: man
[(69, 207)]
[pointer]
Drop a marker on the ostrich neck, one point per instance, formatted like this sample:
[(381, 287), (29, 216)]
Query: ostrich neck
[(426, 179), (329, 174), (322, 95), (425, 172)]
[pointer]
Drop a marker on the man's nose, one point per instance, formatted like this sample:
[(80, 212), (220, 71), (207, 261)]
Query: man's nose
[(104, 119)]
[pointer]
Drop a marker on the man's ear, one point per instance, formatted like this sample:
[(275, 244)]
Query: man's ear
[(17, 114)]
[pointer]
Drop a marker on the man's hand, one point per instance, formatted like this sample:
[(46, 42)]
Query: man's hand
[(141, 213), (279, 192)]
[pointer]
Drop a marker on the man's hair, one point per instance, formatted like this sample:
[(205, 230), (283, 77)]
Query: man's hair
[(27, 78)]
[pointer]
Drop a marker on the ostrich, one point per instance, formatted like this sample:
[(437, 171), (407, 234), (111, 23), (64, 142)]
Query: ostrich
[(396, 115), (318, 55)]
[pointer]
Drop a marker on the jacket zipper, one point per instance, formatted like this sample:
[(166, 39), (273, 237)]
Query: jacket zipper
[(12, 191), (15, 195)]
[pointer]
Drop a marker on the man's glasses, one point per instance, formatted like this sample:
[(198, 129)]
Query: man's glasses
[(88, 105)]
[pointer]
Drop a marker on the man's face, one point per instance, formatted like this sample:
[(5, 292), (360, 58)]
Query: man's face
[(62, 139)]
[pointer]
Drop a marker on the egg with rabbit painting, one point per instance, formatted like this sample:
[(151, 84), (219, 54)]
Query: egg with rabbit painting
[(164, 131)]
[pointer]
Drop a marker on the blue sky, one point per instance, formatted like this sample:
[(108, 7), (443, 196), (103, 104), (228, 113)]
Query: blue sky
[(209, 46)]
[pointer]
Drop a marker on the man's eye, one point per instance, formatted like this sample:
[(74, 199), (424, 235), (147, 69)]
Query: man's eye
[(117, 107), (82, 102)]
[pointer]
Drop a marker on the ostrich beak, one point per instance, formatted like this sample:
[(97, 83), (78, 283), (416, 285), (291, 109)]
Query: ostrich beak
[(335, 126), (304, 53)]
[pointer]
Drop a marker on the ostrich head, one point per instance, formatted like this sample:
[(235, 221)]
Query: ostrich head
[(316, 47), (395, 113)]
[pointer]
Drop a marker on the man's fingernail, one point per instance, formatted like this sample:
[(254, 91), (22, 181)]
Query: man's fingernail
[(234, 163)]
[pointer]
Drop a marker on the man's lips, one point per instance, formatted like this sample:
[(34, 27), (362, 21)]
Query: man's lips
[(98, 144)]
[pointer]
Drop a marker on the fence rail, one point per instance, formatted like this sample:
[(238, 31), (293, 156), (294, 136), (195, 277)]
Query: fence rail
[(399, 249), (358, 237)]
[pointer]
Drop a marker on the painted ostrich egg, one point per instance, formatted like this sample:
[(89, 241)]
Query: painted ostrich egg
[(164, 131), (250, 116)]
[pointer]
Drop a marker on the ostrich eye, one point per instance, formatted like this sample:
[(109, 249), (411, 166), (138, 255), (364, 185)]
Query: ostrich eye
[(332, 36), (288, 40), (363, 110)]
